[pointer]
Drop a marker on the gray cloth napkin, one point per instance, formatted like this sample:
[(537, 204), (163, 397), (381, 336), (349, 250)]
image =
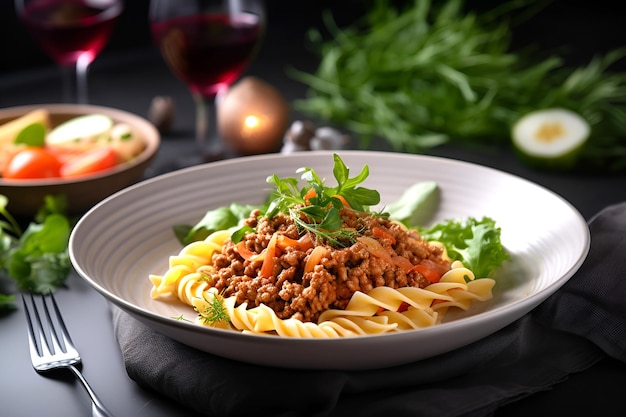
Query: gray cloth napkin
[(580, 324)]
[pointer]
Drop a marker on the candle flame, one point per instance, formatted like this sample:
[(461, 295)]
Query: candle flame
[(251, 121)]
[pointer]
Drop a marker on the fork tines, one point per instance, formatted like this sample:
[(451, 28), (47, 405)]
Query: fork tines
[(48, 334)]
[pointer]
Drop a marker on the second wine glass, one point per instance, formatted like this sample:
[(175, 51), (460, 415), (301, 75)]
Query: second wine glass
[(207, 44)]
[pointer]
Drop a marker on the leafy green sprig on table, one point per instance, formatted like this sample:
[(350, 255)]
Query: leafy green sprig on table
[(36, 258), (429, 74)]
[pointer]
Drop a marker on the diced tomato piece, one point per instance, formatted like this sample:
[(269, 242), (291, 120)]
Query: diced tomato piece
[(32, 163), (430, 274), (64, 154), (404, 306), (98, 159)]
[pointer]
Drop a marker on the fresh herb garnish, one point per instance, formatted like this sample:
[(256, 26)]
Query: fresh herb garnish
[(315, 208)]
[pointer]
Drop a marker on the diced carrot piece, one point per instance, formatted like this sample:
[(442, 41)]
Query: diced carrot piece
[(245, 253), (309, 195), (342, 199), (267, 269), (283, 242), (378, 232)]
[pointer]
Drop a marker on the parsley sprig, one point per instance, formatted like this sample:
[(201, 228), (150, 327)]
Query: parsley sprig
[(315, 208), (36, 258)]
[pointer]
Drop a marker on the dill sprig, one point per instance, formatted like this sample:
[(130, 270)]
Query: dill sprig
[(215, 312), (340, 237)]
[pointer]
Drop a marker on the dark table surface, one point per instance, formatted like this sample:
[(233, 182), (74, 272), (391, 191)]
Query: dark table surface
[(129, 78)]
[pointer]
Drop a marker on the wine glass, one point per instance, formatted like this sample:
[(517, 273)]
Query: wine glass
[(207, 44), (72, 32)]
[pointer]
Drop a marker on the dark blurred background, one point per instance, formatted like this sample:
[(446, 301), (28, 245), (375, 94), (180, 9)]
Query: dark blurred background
[(576, 29)]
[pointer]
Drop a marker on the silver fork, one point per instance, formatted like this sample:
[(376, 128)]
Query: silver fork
[(51, 346)]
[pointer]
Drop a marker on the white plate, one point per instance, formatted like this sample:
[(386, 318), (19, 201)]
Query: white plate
[(119, 242)]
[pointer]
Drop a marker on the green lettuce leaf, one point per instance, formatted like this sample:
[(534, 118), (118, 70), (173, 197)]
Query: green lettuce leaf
[(476, 243)]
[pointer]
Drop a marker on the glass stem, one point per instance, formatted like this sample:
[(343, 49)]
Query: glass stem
[(82, 67), (75, 82), (208, 142), (68, 73)]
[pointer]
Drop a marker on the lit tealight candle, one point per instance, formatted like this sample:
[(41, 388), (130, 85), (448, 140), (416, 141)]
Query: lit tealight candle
[(252, 125), (252, 117)]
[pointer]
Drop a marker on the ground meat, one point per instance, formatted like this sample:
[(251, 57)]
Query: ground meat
[(291, 293)]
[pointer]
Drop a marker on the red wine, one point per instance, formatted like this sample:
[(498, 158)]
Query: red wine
[(70, 29), (208, 51)]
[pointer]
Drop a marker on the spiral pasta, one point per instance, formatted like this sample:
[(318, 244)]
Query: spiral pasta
[(381, 310)]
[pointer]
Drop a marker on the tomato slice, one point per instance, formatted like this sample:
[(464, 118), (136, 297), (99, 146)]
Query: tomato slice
[(32, 163), (89, 162), (64, 154)]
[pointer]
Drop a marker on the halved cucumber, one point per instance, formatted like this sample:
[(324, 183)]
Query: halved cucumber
[(550, 138)]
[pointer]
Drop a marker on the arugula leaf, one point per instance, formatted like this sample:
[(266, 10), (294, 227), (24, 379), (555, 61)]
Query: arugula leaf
[(476, 243)]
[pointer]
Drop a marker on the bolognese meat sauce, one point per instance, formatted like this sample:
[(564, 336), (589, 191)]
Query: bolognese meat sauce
[(377, 258)]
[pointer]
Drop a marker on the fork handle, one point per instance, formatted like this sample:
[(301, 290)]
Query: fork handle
[(97, 408)]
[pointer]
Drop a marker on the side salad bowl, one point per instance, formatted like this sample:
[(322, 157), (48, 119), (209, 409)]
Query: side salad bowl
[(26, 196)]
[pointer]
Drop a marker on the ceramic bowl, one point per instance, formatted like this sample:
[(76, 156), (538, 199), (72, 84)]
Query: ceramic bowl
[(27, 196)]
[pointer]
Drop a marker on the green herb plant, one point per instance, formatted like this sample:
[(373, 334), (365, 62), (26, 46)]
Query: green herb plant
[(430, 73)]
